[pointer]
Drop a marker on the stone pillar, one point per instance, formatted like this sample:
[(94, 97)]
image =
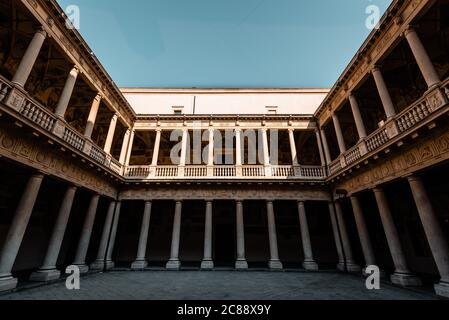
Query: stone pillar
[(99, 263), (327, 152), (362, 229), (185, 137), (174, 263), (309, 262), (109, 263), (16, 232), (66, 94), (266, 149), (341, 257), (275, 263), (111, 132), (241, 259), (157, 146), (48, 271), (351, 266), (383, 93), (141, 260), (339, 133), (92, 116), (125, 146), (357, 117), (320, 148), (210, 153), (130, 148), (208, 262), (422, 58), (291, 136), (402, 275), (434, 233), (86, 232), (29, 59), (238, 147)]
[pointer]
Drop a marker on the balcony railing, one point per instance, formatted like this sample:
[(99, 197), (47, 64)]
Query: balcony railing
[(24, 105), (419, 111), (226, 172)]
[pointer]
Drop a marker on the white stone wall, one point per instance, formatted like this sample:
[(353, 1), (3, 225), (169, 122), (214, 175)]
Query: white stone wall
[(225, 101)]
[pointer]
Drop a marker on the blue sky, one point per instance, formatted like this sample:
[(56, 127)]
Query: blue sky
[(224, 43)]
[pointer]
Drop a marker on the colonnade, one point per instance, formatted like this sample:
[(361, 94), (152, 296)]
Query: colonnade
[(428, 71)]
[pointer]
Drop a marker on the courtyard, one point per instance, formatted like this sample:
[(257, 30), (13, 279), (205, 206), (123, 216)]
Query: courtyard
[(218, 285)]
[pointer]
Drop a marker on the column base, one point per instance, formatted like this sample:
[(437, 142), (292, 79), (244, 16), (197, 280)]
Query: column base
[(275, 265), (406, 280), (349, 266), (442, 289), (43, 275), (174, 265), (109, 265), (139, 265), (310, 265), (241, 264), (207, 265), (83, 268), (8, 283), (97, 265)]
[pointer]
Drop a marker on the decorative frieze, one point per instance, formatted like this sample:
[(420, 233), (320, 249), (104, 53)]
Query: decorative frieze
[(22, 148)]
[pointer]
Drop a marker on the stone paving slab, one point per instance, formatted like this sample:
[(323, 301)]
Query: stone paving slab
[(218, 285)]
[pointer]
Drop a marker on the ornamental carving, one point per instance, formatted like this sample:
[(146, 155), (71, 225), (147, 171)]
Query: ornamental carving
[(23, 148)]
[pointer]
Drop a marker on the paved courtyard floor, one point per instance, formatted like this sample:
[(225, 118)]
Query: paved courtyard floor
[(218, 285)]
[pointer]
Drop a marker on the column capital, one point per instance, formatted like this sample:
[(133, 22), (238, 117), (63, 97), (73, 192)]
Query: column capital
[(41, 30), (148, 201), (409, 29), (376, 68), (209, 200), (75, 70), (301, 202)]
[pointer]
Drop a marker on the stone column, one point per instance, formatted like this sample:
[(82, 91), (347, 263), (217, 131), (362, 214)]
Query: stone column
[(309, 262), (383, 93), (141, 260), (336, 232), (327, 152), (238, 147), (362, 229), (99, 263), (48, 271), (320, 148), (29, 59), (339, 133), (111, 132), (92, 116), (402, 275), (351, 266), (422, 58), (86, 232), (174, 263), (17, 230), (275, 263), (109, 263), (185, 136), (66, 94), (210, 154), (125, 146), (266, 149), (208, 262), (357, 117), (130, 148), (434, 233), (157, 146), (241, 259), (291, 136)]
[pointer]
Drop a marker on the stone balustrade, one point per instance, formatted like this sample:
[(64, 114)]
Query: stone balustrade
[(20, 104), (225, 172), (401, 123)]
